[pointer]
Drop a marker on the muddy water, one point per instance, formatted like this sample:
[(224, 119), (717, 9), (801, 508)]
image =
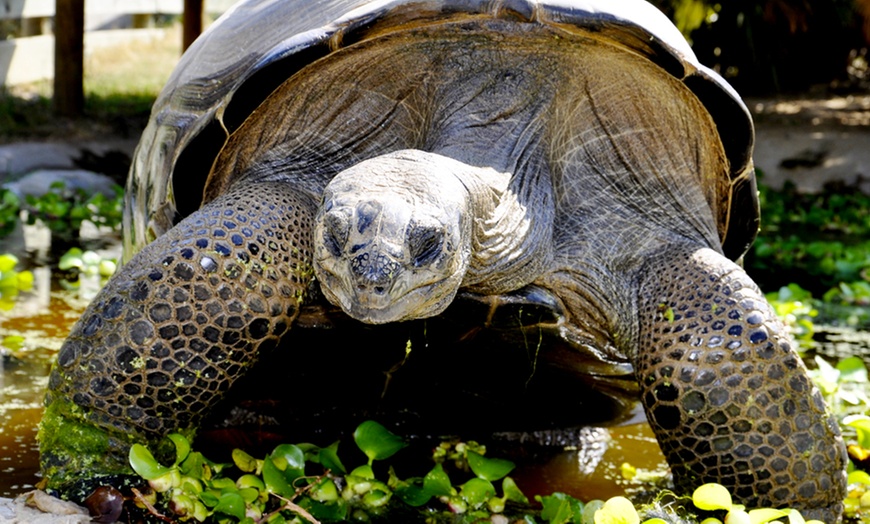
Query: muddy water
[(43, 317)]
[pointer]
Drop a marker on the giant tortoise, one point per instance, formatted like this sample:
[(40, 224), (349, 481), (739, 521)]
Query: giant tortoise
[(393, 158)]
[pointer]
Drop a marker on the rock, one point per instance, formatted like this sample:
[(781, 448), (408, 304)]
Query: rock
[(38, 507), (16, 160), (39, 182)]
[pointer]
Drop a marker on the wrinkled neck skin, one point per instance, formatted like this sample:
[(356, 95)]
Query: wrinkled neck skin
[(398, 235)]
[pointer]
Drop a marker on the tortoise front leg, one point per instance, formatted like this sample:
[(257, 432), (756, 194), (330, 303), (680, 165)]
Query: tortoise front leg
[(174, 329), (725, 392)]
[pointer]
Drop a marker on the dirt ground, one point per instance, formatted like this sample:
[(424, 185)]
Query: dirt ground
[(813, 140)]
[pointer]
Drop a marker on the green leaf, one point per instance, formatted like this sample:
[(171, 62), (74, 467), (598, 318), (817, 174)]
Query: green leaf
[(182, 447), (231, 504), (71, 259), (249, 495), (617, 510), (324, 511), (196, 466), (324, 491), (858, 476), (560, 508), (13, 342), (765, 515), (737, 516), (7, 262), (852, 369), (488, 468), (290, 459), (587, 514), (795, 517), (437, 482), (107, 267), (250, 481), (378, 496), (412, 493), (210, 498), (25, 281), (224, 484), (712, 496), (477, 491), (512, 492), (376, 441), (328, 458), (144, 463), (244, 462), (861, 423), (275, 480)]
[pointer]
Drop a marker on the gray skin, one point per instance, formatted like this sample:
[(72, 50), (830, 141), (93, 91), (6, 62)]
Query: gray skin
[(487, 160)]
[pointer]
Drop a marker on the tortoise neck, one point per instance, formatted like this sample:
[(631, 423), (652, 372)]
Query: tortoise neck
[(511, 241)]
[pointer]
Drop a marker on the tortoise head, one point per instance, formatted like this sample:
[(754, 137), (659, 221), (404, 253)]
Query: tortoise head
[(392, 237)]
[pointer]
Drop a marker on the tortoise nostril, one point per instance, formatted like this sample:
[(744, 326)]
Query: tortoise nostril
[(379, 290)]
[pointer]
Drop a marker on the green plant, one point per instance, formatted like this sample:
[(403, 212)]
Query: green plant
[(12, 281), (10, 208), (304, 482), (846, 388), (279, 486), (818, 239), (63, 211), (794, 305), (87, 263)]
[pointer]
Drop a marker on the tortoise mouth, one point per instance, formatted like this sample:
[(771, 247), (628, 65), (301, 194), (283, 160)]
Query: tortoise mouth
[(390, 303)]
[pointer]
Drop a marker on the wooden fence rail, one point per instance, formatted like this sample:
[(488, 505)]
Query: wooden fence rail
[(49, 37)]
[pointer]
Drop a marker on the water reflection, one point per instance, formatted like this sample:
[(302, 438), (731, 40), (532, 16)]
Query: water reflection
[(31, 333)]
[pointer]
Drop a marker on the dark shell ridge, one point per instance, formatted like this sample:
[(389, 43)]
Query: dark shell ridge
[(231, 68)]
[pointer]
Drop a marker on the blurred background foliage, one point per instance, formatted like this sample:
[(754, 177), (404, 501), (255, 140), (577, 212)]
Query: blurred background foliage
[(778, 46)]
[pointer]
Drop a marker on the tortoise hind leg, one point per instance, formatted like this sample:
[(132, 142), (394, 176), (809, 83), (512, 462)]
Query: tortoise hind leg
[(175, 327), (726, 394)]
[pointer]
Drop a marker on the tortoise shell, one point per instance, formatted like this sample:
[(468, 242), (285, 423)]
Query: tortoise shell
[(259, 44)]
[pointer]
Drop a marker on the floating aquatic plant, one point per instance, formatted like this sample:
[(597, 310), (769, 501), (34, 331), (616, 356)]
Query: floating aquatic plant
[(12, 281)]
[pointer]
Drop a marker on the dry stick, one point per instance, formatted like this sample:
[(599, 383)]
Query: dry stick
[(151, 509), (292, 506)]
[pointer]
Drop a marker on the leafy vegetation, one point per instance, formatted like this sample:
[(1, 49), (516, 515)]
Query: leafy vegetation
[(12, 281), (62, 210), (846, 389), (10, 207), (87, 263), (818, 240), (822, 242), (281, 488)]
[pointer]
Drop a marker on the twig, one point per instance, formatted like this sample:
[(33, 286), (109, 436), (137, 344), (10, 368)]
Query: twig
[(292, 506), (151, 509)]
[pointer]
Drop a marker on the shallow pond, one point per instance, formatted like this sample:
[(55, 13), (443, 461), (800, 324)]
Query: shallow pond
[(33, 330)]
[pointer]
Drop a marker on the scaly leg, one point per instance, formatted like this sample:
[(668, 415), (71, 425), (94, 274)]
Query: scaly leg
[(174, 329), (725, 392)]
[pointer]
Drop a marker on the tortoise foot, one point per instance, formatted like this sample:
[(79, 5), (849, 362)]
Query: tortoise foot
[(726, 393), (175, 327)]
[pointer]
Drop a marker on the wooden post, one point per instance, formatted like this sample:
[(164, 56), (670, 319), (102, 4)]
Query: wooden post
[(192, 21), (69, 38)]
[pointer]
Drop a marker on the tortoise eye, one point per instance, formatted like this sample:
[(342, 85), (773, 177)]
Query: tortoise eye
[(425, 245), (335, 232)]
